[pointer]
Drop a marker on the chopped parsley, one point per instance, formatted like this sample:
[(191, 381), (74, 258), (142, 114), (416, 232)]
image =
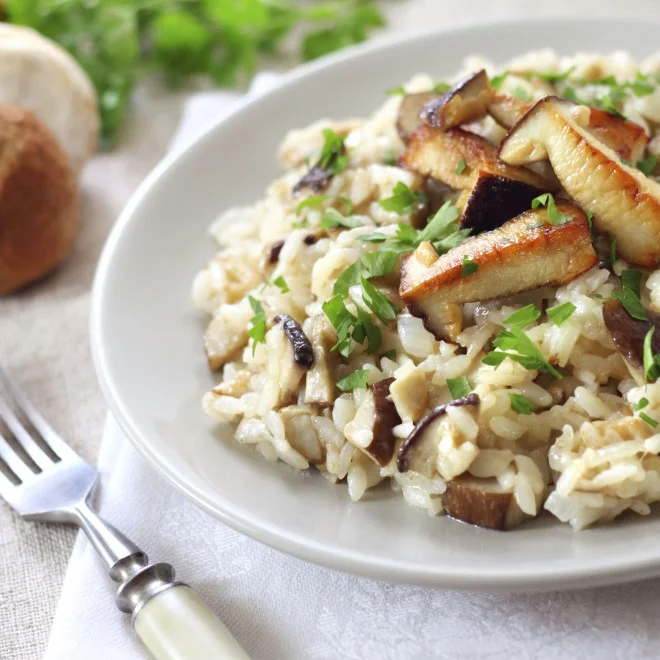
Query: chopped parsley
[(404, 200), (641, 404), (647, 165), (468, 267), (521, 93), (257, 330), (379, 263), (590, 218), (461, 167), (651, 361), (441, 87), (389, 158), (612, 258), (390, 355), (333, 158), (527, 353), (355, 381), (554, 216), (560, 313), (333, 218), (521, 404), (342, 321), (378, 302), (376, 237), (459, 387), (396, 91), (315, 200), (523, 316), (630, 296), (347, 279), (281, 284), (552, 78), (649, 420), (497, 81)]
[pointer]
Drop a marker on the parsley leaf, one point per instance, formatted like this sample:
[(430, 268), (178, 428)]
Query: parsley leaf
[(630, 296), (642, 403), (441, 87), (281, 284), (347, 279), (459, 387), (554, 216), (333, 218), (389, 158), (376, 237), (647, 165), (590, 218), (342, 321), (522, 317), (257, 330), (497, 81), (527, 353), (404, 200), (439, 225), (394, 91), (521, 93), (631, 279), (378, 302), (380, 263), (332, 159), (460, 168), (315, 200), (468, 267), (521, 404), (390, 355), (560, 313), (355, 381), (651, 361), (552, 78), (650, 421), (366, 328)]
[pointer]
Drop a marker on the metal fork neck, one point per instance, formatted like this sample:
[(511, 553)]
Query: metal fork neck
[(127, 564)]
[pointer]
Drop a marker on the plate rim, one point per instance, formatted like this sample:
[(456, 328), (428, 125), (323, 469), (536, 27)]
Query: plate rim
[(307, 548)]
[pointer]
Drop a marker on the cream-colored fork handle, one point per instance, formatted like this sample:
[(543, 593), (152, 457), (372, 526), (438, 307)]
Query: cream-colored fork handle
[(176, 625)]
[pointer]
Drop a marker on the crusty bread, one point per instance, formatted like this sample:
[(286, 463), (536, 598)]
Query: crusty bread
[(39, 203), (38, 75)]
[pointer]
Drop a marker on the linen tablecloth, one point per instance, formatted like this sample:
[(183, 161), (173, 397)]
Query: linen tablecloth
[(44, 330)]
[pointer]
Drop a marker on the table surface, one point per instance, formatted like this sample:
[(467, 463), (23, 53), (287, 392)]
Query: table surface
[(44, 329)]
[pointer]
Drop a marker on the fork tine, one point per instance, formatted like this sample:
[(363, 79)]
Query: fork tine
[(13, 461), (50, 437), (32, 449)]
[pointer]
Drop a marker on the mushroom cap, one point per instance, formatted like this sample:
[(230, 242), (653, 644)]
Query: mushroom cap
[(38, 75), (38, 200)]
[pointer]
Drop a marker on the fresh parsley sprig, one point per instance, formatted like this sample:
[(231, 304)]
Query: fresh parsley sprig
[(403, 200), (554, 216), (257, 330)]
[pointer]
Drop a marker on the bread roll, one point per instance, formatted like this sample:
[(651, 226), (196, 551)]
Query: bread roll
[(39, 203)]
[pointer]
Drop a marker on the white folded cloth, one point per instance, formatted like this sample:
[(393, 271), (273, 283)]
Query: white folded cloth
[(279, 607)]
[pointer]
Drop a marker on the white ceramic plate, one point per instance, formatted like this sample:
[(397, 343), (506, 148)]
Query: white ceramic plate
[(147, 342)]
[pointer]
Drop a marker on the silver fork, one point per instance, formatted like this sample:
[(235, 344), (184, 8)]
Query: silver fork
[(43, 479)]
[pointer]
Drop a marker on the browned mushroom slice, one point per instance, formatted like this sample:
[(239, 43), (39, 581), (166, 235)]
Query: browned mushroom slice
[(481, 502), (628, 333), (493, 200), (320, 381), (625, 203), (525, 253), (436, 153), (408, 119), (466, 101), (419, 450), (507, 110), (371, 428)]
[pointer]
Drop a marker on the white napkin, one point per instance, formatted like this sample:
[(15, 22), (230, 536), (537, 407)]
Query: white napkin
[(279, 607)]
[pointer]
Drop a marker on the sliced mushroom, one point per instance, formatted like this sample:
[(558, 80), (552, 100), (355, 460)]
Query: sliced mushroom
[(624, 202), (273, 253), (493, 200), (408, 119), (481, 502), (226, 334), (301, 434), (410, 394), (371, 428), (467, 100), (525, 253), (419, 450), (628, 333), (320, 381), (438, 154), (507, 110), (303, 354)]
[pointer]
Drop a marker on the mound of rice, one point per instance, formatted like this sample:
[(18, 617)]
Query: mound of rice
[(583, 453)]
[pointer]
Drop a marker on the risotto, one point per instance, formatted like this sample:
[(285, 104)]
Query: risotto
[(457, 295)]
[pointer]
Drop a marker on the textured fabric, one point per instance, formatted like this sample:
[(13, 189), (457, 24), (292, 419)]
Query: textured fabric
[(281, 608), (44, 343)]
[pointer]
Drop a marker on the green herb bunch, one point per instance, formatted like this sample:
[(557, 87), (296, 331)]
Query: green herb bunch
[(118, 41)]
